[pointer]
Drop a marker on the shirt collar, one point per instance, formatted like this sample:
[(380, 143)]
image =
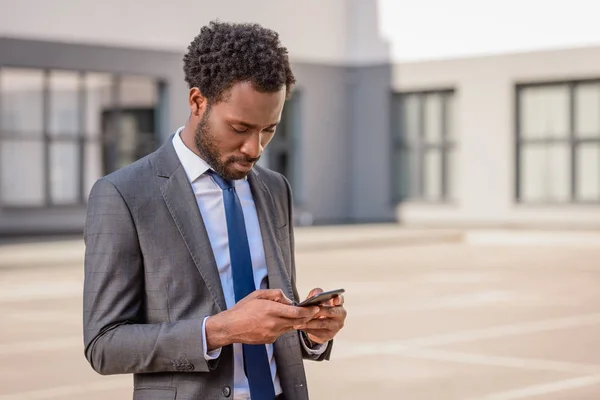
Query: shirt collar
[(193, 165)]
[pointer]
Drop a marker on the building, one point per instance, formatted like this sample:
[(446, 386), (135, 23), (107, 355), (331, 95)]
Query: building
[(87, 87)]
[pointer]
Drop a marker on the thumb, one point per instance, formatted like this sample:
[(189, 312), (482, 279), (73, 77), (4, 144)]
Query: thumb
[(314, 292), (273, 295)]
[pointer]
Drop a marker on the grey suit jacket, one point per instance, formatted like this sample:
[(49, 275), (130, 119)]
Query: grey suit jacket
[(151, 278)]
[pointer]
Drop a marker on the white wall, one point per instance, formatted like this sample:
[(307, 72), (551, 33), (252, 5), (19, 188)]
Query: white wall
[(365, 45), (485, 113), (313, 30)]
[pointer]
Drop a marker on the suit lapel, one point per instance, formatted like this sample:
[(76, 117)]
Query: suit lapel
[(267, 218), (181, 202)]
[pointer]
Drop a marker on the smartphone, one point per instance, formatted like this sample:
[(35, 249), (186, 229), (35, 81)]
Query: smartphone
[(321, 298)]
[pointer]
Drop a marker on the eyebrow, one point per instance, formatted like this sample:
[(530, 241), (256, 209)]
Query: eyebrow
[(252, 126)]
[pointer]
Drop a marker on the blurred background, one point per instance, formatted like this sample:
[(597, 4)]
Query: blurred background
[(444, 158)]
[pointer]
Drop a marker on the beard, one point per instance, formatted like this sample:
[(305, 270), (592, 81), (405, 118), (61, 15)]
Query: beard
[(207, 146)]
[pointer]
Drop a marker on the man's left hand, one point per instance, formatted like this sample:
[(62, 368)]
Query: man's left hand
[(328, 321)]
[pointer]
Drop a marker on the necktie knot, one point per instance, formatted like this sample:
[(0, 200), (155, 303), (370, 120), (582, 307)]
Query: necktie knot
[(223, 183)]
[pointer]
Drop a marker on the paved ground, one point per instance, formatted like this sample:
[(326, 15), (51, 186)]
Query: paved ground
[(437, 321)]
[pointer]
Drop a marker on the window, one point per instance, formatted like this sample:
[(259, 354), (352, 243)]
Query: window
[(558, 142), (22, 152), (61, 130), (423, 146)]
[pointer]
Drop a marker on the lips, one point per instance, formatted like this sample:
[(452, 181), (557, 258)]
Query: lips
[(243, 166)]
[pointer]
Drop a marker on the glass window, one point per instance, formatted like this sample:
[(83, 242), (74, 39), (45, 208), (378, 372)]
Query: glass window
[(64, 103), (588, 172), (21, 132), (406, 175), (450, 115), (98, 97), (129, 127), (433, 118), (543, 175), (433, 175), (62, 130), (587, 110), (93, 166), (423, 139), (545, 112), (64, 172), (22, 173), (411, 120), (559, 142), (22, 102)]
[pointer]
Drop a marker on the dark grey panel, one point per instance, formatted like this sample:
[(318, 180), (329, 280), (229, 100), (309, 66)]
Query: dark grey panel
[(68, 220), (369, 113), (324, 139), (43, 54)]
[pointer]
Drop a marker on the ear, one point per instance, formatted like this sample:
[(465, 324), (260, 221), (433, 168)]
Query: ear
[(197, 102)]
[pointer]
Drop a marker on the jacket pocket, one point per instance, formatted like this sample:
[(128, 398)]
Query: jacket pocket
[(154, 394), (282, 232)]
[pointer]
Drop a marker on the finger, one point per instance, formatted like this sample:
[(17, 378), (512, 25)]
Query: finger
[(293, 312), (318, 335), (337, 300), (295, 323), (314, 292), (326, 324), (330, 312), (273, 295)]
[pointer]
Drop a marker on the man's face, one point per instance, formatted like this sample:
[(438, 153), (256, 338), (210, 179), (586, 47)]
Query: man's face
[(232, 134)]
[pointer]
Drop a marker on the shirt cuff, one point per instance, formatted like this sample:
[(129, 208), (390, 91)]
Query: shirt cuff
[(314, 350), (210, 355)]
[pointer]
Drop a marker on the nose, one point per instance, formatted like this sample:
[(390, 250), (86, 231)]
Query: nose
[(252, 147)]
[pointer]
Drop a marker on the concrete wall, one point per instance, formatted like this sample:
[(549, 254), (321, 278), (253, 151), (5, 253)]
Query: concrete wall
[(370, 155), (485, 117)]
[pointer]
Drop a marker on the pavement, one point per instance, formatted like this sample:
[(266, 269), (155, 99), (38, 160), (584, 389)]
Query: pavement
[(433, 314), (70, 250)]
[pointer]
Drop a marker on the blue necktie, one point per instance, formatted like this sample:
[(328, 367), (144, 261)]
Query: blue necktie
[(256, 361)]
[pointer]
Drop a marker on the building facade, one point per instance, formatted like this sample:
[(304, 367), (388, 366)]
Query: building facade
[(520, 139), (495, 141)]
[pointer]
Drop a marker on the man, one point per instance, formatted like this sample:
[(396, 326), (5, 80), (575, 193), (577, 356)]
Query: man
[(190, 281)]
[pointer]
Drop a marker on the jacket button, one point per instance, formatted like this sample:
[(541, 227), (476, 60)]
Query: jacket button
[(226, 391)]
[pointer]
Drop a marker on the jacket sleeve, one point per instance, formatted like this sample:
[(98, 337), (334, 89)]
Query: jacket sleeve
[(308, 356), (117, 340)]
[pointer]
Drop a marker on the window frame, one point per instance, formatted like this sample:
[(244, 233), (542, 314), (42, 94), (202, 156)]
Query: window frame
[(80, 139), (571, 141), (444, 146)]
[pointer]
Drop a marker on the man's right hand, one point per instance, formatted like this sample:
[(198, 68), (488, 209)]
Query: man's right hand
[(259, 318)]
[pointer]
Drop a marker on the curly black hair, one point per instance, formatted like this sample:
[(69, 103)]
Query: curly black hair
[(224, 54)]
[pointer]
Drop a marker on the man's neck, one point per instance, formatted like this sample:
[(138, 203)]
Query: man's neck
[(187, 136)]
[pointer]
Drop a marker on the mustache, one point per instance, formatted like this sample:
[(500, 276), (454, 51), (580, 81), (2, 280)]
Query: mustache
[(242, 159)]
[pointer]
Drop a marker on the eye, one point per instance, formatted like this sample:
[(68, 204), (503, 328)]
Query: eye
[(239, 130), (270, 130)]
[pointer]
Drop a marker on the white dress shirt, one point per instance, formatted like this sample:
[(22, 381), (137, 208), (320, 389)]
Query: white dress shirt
[(209, 197)]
